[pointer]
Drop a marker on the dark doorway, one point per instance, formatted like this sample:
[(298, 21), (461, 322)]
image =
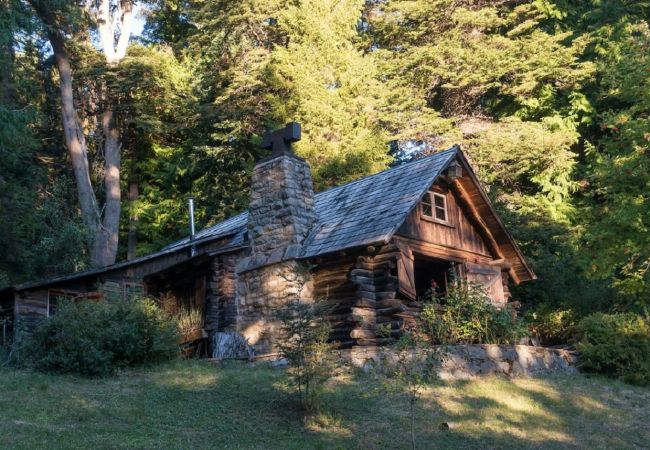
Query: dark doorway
[(432, 277)]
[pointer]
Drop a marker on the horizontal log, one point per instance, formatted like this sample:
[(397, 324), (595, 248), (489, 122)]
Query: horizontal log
[(389, 303), (380, 265), (391, 310), (359, 333), (365, 303), (385, 295), (374, 342)]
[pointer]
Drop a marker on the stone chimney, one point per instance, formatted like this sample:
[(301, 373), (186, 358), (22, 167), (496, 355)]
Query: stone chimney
[(281, 215), (281, 212)]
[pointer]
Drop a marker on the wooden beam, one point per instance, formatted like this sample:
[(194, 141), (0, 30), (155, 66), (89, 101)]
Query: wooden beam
[(474, 216)]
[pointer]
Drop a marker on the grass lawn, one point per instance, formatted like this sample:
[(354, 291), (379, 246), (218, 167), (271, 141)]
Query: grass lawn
[(196, 404)]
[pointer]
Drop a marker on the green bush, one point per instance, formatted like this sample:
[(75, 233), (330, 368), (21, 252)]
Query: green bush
[(553, 327), (616, 345), (466, 316), (95, 339)]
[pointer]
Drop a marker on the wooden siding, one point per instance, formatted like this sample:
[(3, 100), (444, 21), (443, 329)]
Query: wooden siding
[(458, 234)]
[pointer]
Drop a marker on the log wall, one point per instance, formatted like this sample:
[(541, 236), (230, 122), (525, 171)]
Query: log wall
[(221, 302), (362, 291)]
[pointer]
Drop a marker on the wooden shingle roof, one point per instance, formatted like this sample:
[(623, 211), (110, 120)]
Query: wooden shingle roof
[(362, 212), (371, 209)]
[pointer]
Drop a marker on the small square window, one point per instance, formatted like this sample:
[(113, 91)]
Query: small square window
[(434, 206)]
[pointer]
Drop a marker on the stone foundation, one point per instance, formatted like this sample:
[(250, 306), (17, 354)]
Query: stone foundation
[(470, 361)]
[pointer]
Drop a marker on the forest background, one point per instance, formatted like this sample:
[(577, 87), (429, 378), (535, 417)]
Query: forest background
[(105, 132)]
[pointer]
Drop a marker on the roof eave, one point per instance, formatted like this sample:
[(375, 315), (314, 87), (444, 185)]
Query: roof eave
[(511, 240)]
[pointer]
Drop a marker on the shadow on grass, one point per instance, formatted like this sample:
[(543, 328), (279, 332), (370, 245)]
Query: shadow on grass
[(196, 404)]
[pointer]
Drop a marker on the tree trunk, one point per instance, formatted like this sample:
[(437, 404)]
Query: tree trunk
[(132, 240), (106, 239), (74, 137), (105, 230)]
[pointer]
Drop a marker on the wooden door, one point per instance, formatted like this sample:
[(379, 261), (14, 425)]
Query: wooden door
[(489, 277)]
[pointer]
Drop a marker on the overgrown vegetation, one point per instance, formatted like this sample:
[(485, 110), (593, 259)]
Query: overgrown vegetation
[(311, 360), (466, 315), (96, 339), (553, 327), (617, 345)]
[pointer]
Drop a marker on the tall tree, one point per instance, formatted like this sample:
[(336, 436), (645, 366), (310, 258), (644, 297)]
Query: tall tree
[(64, 21)]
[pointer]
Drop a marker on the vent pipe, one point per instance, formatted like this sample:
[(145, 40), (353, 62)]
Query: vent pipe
[(190, 205)]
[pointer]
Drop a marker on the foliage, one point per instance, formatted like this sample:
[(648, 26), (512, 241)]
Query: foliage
[(96, 339), (617, 345), (409, 366), (553, 327), (189, 319), (618, 242), (466, 315), (305, 331), (548, 98)]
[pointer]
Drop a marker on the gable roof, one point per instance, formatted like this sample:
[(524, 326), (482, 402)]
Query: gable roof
[(371, 209), (363, 212)]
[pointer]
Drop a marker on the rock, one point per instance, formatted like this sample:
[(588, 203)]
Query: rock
[(229, 345)]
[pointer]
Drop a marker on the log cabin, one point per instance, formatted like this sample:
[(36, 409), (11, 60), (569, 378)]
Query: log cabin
[(373, 248)]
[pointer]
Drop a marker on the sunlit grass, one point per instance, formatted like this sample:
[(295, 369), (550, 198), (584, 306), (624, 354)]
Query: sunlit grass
[(197, 404)]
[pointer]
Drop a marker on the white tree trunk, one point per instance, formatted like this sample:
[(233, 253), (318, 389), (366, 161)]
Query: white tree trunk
[(106, 239), (106, 228), (74, 136)]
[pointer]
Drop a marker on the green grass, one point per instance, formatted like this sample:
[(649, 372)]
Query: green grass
[(196, 404)]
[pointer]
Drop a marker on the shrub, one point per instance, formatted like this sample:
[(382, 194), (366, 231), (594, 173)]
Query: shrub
[(616, 345), (466, 315), (553, 327), (305, 331), (95, 339)]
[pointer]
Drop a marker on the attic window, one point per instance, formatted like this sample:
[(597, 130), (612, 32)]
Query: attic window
[(434, 206)]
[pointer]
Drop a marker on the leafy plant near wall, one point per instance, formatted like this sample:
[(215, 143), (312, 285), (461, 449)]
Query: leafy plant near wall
[(96, 339), (466, 316), (553, 327), (305, 331)]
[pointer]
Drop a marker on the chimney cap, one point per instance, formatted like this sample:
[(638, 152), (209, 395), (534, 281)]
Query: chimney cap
[(280, 140)]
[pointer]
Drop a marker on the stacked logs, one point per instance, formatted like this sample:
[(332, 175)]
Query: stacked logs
[(376, 302), (332, 285)]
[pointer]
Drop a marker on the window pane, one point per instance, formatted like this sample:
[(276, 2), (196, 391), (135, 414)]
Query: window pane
[(426, 210), (427, 199), (439, 200), (441, 214)]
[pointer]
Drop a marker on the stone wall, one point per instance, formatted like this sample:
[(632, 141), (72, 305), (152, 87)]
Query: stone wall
[(260, 292), (469, 361)]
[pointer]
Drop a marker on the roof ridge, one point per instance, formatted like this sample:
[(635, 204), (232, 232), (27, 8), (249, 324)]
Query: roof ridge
[(400, 166)]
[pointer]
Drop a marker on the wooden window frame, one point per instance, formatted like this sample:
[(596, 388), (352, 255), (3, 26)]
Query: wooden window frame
[(430, 200), (56, 294)]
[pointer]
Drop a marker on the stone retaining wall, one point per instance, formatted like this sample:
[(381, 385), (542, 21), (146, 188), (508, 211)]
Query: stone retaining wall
[(468, 361)]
